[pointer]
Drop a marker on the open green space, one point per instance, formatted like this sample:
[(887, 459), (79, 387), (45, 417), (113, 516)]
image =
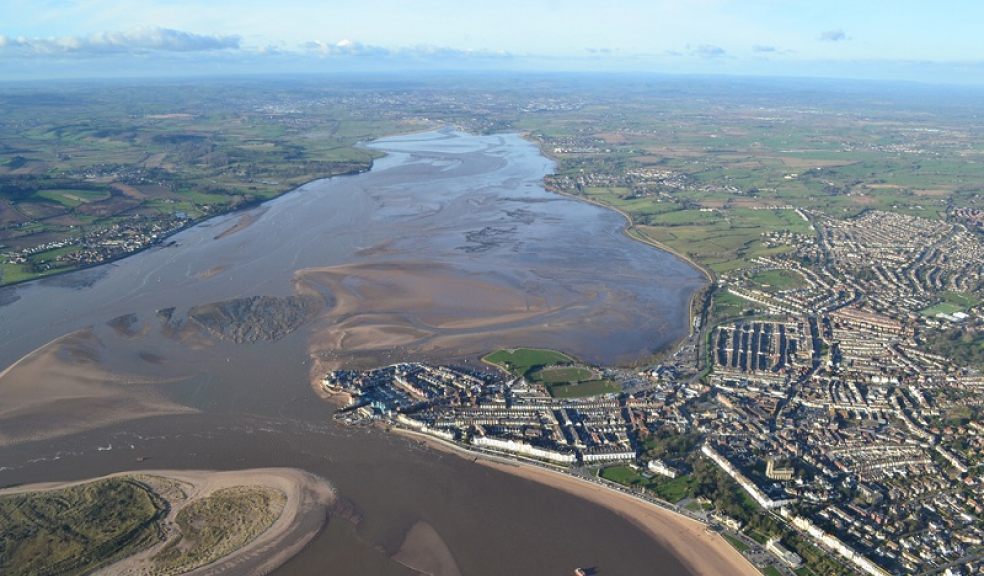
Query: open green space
[(728, 305), (561, 374), (519, 361), (941, 308), (962, 344), (777, 280), (723, 240), (625, 475), (78, 529), (73, 198), (583, 389), (11, 273), (558, 372), (951, 303), (671, 490), (738, 544), (962, 299)]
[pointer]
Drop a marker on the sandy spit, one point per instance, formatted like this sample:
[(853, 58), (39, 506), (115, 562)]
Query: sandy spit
[(309, 500)]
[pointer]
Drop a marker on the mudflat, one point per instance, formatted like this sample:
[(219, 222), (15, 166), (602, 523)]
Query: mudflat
[(200, 354), (65, 386)]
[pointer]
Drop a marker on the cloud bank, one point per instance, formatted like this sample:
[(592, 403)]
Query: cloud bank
[(349, 48), (136, 41)]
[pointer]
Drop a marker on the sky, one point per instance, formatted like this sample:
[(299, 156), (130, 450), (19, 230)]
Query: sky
[(927, 41)]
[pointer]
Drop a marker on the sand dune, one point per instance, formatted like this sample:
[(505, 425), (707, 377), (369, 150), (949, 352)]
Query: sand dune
[(308, 500)]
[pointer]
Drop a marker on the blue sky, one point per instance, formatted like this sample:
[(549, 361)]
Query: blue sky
[(936, 41)]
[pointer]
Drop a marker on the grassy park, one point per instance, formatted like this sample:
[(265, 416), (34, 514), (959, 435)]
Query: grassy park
[(562, 375)]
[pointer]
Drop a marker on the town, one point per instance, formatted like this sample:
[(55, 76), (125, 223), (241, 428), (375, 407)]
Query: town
[(820, 400)]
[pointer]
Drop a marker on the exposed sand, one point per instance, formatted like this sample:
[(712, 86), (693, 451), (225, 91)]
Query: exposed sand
[(703, 551), (386, 312), (213, 271), (379, 307), (61, 388), (425, 551), (305, 512), (244, 221)]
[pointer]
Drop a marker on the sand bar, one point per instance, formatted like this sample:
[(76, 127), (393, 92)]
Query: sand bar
[(308, 502), (62, 388)]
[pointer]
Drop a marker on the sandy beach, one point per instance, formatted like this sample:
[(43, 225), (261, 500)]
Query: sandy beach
[(308, 501), (703, 551)]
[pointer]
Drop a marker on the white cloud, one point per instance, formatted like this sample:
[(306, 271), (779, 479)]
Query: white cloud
[(135, 41), (344, 48), (350, 48)]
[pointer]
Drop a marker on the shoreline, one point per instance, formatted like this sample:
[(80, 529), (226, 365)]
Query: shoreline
[(674, 531), (159, 242), (628, 230), (243, 207), (630, 224), (306, 510)]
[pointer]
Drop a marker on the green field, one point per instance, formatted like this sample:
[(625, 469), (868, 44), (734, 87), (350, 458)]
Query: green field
[(671, 490), (941, 308), (964, 300), (624, 475), (558, 372), (727, 305), (723, 240), (73, 198), (519, 361), (78, 529), (951, 303), (561, 374), (583, 389), (777, 280), (738, 544)]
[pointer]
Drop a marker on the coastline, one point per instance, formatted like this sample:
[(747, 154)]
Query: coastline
[(712, 555), (630, 224), (305, 512), (242, 207), (580, 488), (629, 232)]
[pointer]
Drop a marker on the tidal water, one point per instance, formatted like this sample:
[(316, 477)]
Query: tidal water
[(447, 248)]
